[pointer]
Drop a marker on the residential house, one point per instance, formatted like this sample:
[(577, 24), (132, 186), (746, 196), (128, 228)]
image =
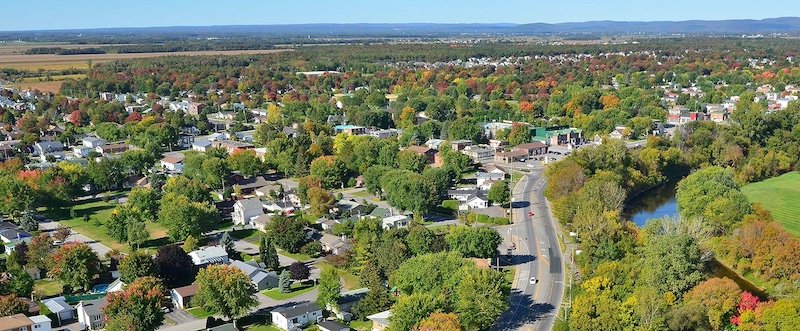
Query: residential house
[(81, 151), (347, 301), (182, 296), (491, 129), (209, 255), (59, 307), (380, 213), (266, 190), (245, 210), (93, 142), (533, 149), (261, 279), (213, 324), (232, 146), (423, 151), (483, 177), (194, 108), (6, 151), (41, 323), (296, 316), (249, 185), (380, 321), (352, 130), (470, 198), (90, 314), (18, 322), (201, 145), (494, 169), (334, 244), (47, 147), (434, 143), (172, 163), (395, 222), (111, 149), (282, 206), (568, 136), (478, 153), (260, 222), (384, 133), (329, 325), (619, 133), (459, 145), (243, 136), (10, 233)]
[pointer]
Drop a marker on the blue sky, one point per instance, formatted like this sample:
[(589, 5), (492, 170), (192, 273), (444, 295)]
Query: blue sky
[(65, 14)]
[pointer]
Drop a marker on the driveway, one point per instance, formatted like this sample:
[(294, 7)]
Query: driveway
[(180, 316), (99, 248)]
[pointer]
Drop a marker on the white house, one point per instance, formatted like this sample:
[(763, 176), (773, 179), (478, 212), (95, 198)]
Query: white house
[(380, 321), (474, 202), (172, 163), (93, 142), (182, 296), (483, 177), (41, 323), (81, 151), (90, 314), (297, 316), (209, 255), (261, 279), (201, 145), (334, 244), (245, 210), (59, 307), (395, 222)]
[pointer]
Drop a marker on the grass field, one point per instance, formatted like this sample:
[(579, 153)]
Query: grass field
[(101, 211), (60, 62), (781, 196), (296, 289), (46, 288), (198, 312)]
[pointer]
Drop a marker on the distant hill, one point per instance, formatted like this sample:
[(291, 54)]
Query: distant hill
[(770, 25)]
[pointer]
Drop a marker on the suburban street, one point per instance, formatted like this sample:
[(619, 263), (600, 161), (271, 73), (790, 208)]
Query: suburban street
[(537, 254)]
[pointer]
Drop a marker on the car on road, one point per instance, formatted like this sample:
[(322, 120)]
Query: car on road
[(533, 281), (530, 214), (531, 165)]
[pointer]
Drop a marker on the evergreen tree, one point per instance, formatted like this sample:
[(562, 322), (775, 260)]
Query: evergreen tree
[(269, 255), (284, 282), (227, 243)]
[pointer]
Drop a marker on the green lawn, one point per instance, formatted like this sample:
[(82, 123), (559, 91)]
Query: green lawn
[(349, 280), (296, 256), (254, 237), (47, 288), (779, 195), (296, 289), (98, 210), (262, 327), (198, 312), (361, 325)]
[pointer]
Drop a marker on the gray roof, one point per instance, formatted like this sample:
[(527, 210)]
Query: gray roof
[(332, 325), (94, 307), (201, 143), (248, 204), (379, 212), (297, 310), (57, 304)]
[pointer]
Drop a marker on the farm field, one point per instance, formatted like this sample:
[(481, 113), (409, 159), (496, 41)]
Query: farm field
[(60, 62), (779, 195)]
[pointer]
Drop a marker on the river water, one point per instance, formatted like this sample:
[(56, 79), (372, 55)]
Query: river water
[(652, 204)]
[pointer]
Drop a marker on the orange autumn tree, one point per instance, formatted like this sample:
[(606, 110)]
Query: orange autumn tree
[(138, 307), (440, 322), (75, 264)]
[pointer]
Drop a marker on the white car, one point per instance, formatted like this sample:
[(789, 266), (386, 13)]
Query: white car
[(534, 281), (531, 165)]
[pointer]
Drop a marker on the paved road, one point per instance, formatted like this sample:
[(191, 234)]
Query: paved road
[(99, 248), (538, 254)]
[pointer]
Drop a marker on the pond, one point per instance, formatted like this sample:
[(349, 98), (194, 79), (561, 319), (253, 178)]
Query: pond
[(652, 204)]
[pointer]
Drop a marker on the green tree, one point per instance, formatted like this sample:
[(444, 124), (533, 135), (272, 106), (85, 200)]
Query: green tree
[(372, 178), (286, 233), (15, 195), (673, 263), (499, 193), (225, 290), (190, 244), (284, 282), (720, 296), (183, 217), (135, 265), (411, 309), (268, 255), (321, 201), (411, 161), (246, 163), (420, 240), (481, 298), (330, 289), (329, 170), (19, 283), (479, 242), (75, 264), (145, 201), (143, 300), (429, 273), (409, 191), (227, 243), (712, 192)]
